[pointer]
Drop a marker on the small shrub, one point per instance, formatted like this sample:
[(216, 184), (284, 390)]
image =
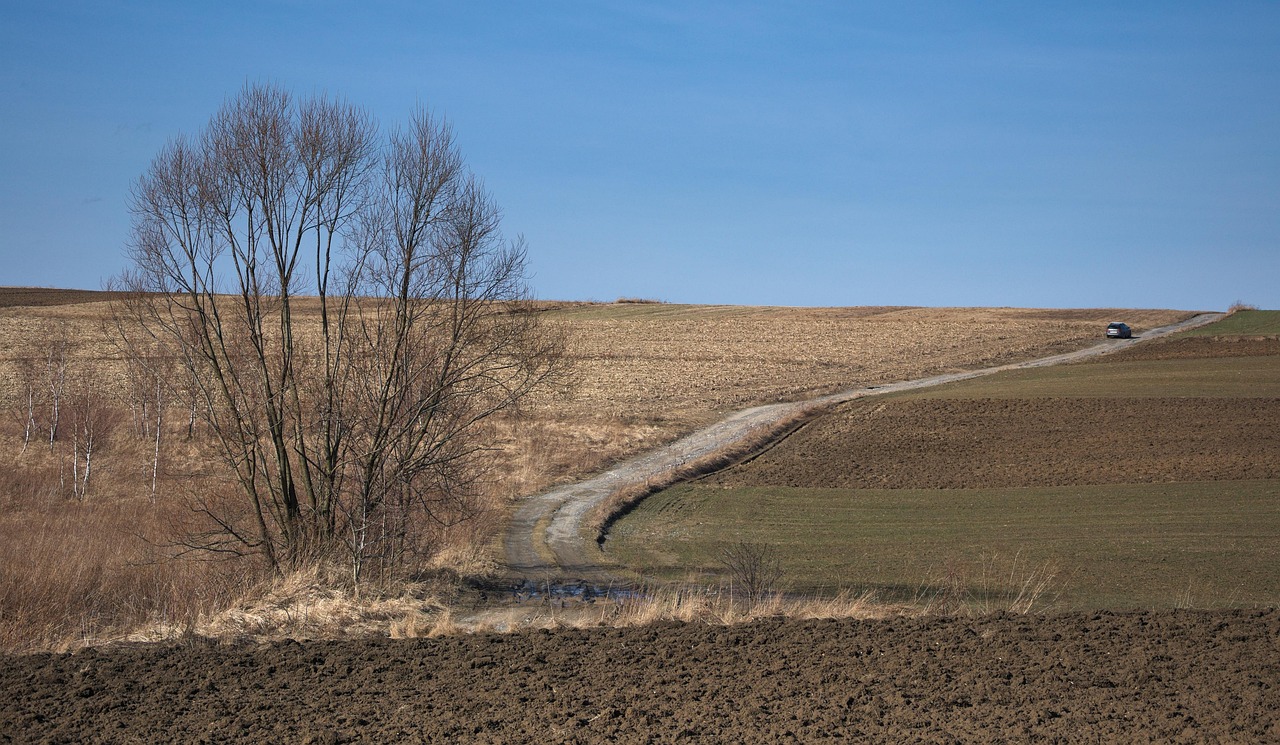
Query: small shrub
[(755, 570)]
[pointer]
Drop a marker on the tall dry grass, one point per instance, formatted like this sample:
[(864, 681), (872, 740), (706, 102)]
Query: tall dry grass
[(996, 584), (716, 605), (537, 451), (74, 573), (87, 566)]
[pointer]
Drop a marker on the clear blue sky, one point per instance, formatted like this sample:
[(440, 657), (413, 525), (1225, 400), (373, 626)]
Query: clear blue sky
[(1072, 154)]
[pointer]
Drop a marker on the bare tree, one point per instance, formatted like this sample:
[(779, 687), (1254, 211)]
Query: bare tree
[(92, 421), (348, 314), (43, 382), (754, 570), (55, 370), (28, 381)]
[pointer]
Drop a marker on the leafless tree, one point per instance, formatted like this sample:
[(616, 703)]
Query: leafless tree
[(55, 370), (348, 313), (754, 570), (43, 384), (92, 421), (28, 382)]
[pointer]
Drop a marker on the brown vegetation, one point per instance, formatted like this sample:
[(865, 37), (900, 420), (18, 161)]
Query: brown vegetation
[(681, 366), (78, 569)]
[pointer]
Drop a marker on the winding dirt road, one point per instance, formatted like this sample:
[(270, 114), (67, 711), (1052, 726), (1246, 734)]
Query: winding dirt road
[(546, 541)]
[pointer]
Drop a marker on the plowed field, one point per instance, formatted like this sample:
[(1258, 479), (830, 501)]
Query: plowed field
[(1176, 676), (1001, 443), (1171, 411)]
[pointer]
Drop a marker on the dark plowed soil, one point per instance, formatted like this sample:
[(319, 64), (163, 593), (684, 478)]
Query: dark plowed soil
[(1166, 677), (44, 296), (996, 443)]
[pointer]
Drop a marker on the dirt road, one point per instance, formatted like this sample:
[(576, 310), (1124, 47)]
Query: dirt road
[(546, 541)]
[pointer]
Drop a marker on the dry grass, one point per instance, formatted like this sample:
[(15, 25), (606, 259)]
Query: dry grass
[(681, 366), (645, 373), (692, 602), (715, 605), (1000, 585), (537, 450), (78, 573), (101, 568), (309, 605), (1010, 588)]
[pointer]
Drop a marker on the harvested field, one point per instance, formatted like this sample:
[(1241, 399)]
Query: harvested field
[(647, 373), (684, 365), (1155, 676)]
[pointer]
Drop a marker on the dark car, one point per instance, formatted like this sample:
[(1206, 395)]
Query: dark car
[(1118, 331)]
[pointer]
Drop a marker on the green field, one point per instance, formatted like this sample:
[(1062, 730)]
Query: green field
[(1134, 546), (1243, 323), (1203, 544)]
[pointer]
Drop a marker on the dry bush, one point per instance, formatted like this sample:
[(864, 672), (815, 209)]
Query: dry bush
[(754, 570)]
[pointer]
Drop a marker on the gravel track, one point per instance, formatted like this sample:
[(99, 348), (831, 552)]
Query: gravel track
[(546, 541)]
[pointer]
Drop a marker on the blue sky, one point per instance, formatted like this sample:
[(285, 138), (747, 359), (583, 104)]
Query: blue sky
[(1080, 154)]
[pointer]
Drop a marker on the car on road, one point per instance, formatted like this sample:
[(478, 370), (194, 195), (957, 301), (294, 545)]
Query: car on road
[(1119, 331)]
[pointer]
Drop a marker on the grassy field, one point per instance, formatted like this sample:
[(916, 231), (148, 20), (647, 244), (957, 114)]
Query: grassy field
[(1202, 543), (1130, 546), (1243, 323)]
